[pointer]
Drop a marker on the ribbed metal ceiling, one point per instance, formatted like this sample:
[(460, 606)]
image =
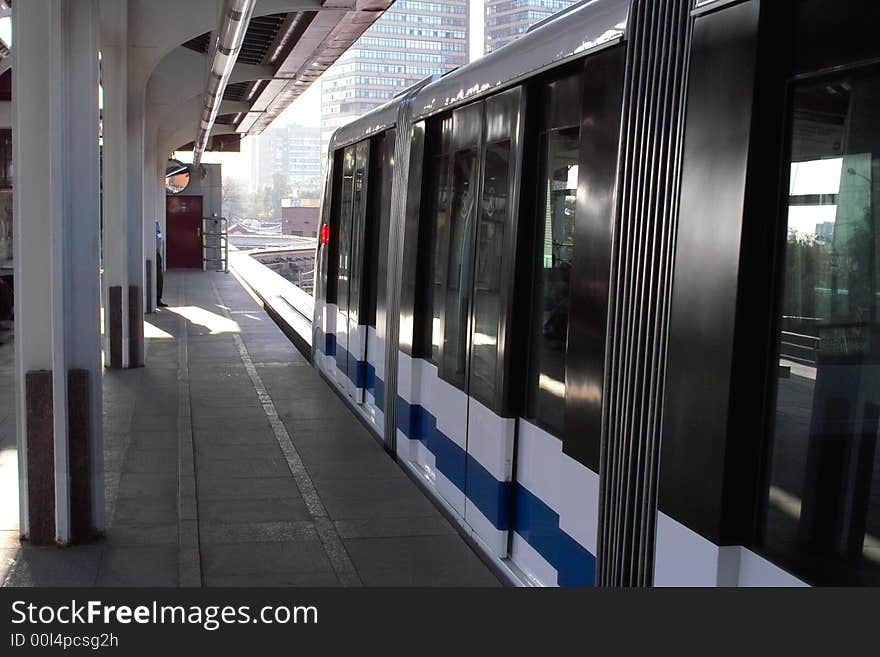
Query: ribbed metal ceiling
[(200, 43), (237, 91), (271, 40), (260, 36)]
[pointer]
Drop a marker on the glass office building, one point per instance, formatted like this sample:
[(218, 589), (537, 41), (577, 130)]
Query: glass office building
[(412, 40), (508, 19), (293, 151)]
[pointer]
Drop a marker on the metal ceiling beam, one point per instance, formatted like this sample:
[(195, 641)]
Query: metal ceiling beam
[(227, 46)]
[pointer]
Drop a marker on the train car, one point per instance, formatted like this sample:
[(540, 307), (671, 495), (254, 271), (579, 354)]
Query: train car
[(609, 293)]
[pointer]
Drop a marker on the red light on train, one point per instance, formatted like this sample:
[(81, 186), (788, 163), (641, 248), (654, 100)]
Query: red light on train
[(325, 234)]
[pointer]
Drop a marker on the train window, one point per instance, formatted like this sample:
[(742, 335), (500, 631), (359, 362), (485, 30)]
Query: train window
[(556, 224), (359, 216), (822, 511), (371, 231), (335, 211), (344, 266), (439, 227), (380, 204), (488, 273), (559, 145), (458, 266), (433, 228)]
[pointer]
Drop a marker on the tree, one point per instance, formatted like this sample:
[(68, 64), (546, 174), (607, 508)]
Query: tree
[(233, 197), (280, 190)]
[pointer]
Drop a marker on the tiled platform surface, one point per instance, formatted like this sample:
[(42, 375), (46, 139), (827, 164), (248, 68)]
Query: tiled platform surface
[(230, 462)]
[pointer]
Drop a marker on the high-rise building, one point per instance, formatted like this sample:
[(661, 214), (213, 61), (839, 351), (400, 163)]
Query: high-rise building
[(293, 150), (507, 19), (412, 40)]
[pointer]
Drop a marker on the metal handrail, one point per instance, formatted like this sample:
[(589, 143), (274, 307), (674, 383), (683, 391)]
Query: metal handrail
[(223, 243)]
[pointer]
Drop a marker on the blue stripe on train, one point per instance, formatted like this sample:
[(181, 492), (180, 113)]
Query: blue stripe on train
[(355, 370), (536, 522), (325, 342), (490, 496), (499, 501), (330, 346), (364, 374)]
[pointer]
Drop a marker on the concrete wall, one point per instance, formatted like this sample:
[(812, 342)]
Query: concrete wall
[(207, 181)]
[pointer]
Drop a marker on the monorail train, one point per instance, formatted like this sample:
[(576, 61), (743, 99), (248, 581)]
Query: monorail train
[(611, 293)]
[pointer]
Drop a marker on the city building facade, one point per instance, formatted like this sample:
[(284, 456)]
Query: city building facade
[(411, 41), (508, 19), (293, 151)]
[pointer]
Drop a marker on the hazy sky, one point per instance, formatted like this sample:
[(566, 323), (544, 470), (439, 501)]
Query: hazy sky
[(305, 110), (6, 30)]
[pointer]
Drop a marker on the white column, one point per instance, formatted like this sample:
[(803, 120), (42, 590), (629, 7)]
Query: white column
[(161, 200), (135, 215), (151, 209), (114, 72), (57, 247), (83, 235)]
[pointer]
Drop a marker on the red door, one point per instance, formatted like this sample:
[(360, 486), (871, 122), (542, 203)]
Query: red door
[(183, 215)]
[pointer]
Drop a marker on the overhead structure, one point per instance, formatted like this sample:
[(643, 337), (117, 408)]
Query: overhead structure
[(227, 46), (292, 49)]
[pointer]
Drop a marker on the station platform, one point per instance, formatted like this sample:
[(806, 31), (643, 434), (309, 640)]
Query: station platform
[(229, 461)]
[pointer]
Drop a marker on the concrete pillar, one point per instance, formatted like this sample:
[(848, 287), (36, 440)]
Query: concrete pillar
[(159, 193), (135, 220), (151, 211), (57, 257), (114, 74)]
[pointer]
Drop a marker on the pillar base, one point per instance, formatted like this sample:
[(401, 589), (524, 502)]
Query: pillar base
[(135, 327), (148, 281), (40, 457), (79, 437), (114, 326)]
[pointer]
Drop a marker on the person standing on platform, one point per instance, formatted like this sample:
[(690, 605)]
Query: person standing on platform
[(159, 268)]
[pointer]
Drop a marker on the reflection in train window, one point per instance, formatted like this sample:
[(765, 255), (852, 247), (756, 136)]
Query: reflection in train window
[(381, 176), (335, 212), (439, 227), (487, 277), (378, 213), (359, 202), (344, 266), (555, 237), (432, 240), (459, 263), (434, 231), (822, 514)]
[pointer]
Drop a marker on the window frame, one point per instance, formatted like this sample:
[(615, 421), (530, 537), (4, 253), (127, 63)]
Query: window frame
[(758, 509), (437, 158), (332, 274), (542, 127)]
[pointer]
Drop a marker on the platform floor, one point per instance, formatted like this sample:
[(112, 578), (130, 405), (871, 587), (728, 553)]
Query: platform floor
[(230, 462)]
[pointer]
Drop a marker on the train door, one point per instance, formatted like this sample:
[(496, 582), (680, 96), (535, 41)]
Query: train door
[(375, 262), (350, 334), (490, 429), (475, 246)]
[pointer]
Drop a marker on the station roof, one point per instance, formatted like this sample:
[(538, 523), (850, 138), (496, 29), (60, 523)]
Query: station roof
[(297, 47)]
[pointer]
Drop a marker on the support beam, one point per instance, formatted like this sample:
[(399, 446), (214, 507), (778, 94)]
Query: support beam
[(151, 211), (135, 221), (57, 254), (114, 72)]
